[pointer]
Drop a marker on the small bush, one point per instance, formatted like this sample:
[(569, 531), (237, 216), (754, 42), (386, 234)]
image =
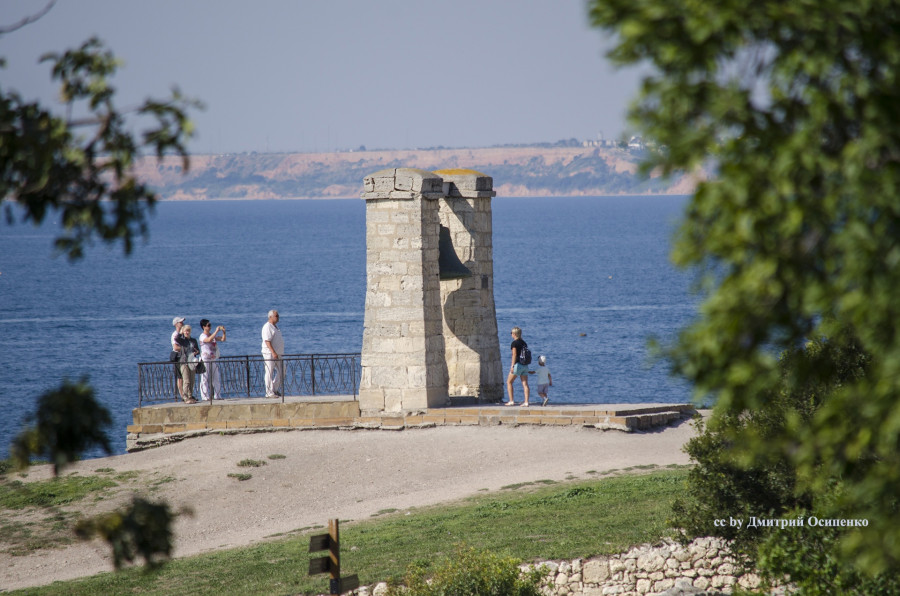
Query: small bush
[(472, 572), (143, 529), (241, 477), (67, 422), (251, 463)]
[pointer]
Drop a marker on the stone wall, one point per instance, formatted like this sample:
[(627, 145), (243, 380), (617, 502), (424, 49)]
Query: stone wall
[(471, 342), (705, 566), (428, 335), (403, 366), (164, 423)]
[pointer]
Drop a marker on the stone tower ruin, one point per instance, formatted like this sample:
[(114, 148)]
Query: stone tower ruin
[(430, 329)]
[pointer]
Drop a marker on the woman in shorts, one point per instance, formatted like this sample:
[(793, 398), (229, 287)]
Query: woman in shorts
[(516, 369)]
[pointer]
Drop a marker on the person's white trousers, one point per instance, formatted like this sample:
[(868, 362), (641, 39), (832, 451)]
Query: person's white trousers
[(274, 375), (211, 379)]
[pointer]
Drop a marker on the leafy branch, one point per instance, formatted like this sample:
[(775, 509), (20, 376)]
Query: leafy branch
[(84, 168)]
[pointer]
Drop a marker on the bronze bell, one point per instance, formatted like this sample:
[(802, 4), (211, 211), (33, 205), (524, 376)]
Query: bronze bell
[(448, 263)]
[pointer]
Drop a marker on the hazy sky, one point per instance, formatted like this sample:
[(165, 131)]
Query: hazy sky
[(321, 75)]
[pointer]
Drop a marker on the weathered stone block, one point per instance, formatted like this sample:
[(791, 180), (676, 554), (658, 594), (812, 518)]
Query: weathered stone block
[(749, 581), (382, 184), (596, 571)]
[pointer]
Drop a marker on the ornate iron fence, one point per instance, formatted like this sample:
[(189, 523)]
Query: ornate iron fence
[(244, 376)]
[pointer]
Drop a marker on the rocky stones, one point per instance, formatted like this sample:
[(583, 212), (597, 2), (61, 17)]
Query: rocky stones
[(704, 567)]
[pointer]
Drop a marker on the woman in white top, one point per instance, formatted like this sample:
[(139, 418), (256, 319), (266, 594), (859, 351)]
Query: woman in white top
[(209, 352)]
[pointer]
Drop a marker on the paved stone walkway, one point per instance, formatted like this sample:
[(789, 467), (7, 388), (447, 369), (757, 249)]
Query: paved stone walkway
[(163, 423)]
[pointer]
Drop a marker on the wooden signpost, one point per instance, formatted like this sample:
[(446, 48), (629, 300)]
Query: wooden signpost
[(331, 563)]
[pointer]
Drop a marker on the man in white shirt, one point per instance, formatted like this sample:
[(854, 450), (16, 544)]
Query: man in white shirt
[(272, 351)]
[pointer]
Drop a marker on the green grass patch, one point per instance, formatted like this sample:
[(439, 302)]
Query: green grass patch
[(31, 517), (240, 477), (277, 456), (583, 519), (15, 494), (251, 463), (524, 484), (24, 538)]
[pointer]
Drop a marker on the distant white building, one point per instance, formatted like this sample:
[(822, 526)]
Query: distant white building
[(599, 142)]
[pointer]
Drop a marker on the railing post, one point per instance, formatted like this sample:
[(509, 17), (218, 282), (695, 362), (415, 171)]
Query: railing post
[(140, 388), (247, 367), (312, 372)]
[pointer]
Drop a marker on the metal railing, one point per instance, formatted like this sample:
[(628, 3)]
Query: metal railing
[(244, 376)]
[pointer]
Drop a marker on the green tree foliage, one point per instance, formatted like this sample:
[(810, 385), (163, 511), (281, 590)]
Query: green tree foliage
[(143, 529), (68, 421), (472, 572), (795, 105), (81, 166), (736, 479)]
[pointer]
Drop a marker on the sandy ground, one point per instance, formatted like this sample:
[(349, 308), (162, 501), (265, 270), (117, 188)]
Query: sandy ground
[(349, 475)]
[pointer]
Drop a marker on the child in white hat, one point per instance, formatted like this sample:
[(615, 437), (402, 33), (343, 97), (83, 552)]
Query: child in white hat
[(544, 380)]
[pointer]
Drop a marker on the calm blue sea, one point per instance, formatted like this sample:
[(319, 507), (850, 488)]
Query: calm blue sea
[(588, 280)]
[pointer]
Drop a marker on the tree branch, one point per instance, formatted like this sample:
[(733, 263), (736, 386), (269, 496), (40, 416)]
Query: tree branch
[(27, 20)]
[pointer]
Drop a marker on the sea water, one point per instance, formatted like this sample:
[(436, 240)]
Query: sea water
[(588, 280)]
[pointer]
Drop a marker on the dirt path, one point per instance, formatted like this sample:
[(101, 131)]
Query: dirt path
[(349, 475)]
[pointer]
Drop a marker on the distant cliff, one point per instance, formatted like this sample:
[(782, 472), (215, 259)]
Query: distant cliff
[(517, 171)]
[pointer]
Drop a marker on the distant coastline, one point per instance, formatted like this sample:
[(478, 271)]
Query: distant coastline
[(520, 171)]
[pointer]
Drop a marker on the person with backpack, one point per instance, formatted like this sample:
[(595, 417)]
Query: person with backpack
[(521, 358)]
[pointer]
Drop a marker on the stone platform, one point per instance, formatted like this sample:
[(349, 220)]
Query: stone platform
[(164, 423)]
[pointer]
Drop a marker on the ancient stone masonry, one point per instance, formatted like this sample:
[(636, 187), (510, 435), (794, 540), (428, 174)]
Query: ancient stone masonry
[(471, 345), (428, 333), (703, 567)]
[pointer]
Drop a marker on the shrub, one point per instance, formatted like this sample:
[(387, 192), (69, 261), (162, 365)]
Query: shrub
[(68, 421), (251, 463), (742, 468), (745, 469), (472, 572), (143, 529)]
